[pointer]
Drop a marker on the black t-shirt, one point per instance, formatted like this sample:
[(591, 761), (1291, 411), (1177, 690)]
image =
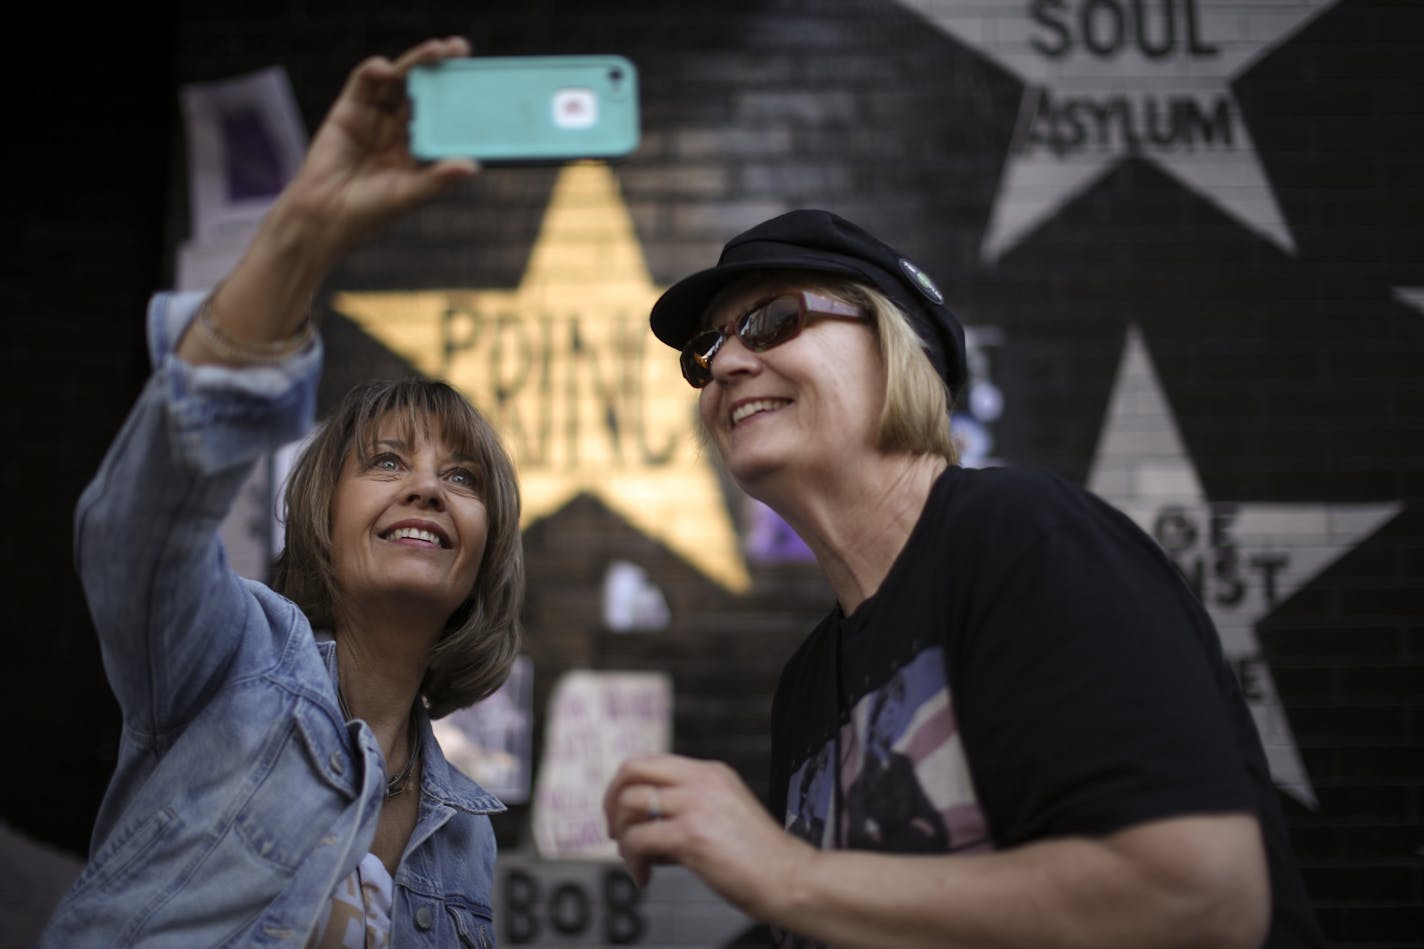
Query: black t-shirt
[(1032, 666)]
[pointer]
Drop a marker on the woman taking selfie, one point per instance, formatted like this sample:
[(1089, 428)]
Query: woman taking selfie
[(1015, 726), (278, 782)]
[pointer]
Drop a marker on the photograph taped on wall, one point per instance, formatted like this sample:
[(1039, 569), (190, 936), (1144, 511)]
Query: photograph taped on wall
[(490, 741), (245, 140), (594, 721)]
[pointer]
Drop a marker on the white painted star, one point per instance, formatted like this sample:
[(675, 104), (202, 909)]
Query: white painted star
[(1110, 79), (1244, 557), (1412, 296)]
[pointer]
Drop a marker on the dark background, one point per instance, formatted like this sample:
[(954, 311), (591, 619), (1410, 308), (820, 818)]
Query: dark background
[(1292, 377)]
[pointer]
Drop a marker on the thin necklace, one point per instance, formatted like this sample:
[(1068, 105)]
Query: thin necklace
[(401, 781)]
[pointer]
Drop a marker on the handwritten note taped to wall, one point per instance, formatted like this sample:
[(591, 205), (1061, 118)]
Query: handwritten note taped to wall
[(594, 721)]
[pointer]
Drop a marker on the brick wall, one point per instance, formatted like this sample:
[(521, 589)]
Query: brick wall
[(86, 170), (1264, 286)]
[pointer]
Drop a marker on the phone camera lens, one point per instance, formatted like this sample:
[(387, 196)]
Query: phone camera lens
[(615, 74)]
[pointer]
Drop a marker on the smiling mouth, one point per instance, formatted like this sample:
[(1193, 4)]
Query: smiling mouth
[(747, 409), (416, 533)]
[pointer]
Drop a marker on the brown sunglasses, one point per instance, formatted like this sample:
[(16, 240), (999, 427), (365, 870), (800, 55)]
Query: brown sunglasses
[(768, 324)]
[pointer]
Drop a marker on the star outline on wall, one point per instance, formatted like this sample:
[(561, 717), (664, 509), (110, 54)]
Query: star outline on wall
[(1126, 91), (1270, 549)]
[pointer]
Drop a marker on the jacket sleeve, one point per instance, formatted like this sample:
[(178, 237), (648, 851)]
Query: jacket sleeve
[(169, 613)]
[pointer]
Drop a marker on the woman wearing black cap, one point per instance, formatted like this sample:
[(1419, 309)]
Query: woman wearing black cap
[(1015, 727)]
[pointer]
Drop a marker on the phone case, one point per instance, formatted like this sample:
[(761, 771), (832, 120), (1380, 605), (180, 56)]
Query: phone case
[(524, 108)]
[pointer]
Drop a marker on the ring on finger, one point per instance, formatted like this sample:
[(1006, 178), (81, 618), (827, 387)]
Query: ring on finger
[(654, 810)]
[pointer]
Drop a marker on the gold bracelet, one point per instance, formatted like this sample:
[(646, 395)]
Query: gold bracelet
[(233, 350)]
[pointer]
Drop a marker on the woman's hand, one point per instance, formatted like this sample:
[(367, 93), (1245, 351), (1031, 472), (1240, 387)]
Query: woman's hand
[(1198, 880), (357, 176), (700, 815), (358, 173)]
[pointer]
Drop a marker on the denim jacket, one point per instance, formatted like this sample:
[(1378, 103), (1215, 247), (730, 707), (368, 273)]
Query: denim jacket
[(241, 795)]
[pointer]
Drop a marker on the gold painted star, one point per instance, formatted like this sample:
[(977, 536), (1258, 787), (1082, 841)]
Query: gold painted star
[(566, 369)]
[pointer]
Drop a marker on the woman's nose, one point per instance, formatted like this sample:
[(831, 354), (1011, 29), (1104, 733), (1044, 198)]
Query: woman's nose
[(425, 487), (733, 358)]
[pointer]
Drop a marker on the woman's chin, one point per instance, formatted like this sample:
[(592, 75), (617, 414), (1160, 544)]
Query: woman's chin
[(754, 469)]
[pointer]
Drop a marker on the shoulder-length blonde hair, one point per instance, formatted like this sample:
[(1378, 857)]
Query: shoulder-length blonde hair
[(918, 404), (482, 637)]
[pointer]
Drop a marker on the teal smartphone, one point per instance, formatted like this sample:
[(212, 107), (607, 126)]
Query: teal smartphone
[(524, 109)]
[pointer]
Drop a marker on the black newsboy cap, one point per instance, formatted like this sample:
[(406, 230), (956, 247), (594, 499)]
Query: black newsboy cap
[(825, 243)]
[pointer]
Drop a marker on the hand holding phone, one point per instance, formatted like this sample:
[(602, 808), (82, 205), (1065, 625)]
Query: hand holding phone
[(524, 109)]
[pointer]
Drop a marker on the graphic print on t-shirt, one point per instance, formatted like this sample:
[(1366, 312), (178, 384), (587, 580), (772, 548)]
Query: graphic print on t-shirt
[(904, 779)]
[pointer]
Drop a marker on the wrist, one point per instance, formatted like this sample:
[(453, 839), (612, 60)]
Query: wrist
[(793, 895), (236, 352), (298, 237)]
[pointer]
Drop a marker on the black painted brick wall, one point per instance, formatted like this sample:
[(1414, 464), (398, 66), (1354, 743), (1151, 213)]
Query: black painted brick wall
[(1292, 377)]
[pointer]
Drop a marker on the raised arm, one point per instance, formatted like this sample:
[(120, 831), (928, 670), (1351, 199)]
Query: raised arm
[(358, 175), (168, 611)]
